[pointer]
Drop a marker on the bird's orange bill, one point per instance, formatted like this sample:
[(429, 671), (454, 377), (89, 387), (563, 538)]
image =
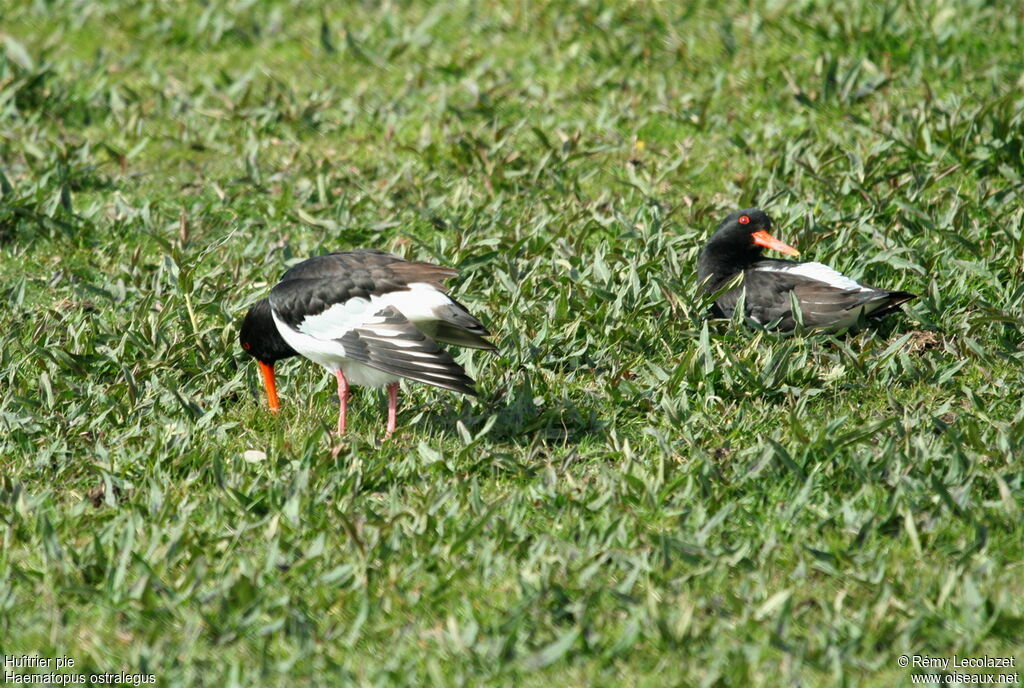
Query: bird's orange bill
[(763, 238), (268, 381)]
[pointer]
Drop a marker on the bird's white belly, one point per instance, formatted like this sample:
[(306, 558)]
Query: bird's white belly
[(358, 374)]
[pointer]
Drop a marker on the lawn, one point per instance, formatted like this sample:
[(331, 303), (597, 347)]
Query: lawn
[(640, 496)]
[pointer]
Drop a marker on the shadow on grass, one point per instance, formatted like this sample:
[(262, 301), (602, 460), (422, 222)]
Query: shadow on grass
[(520, 418)]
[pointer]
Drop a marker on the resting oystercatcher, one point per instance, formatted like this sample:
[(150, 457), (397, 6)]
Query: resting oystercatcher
[(369, 318), (826, 299)]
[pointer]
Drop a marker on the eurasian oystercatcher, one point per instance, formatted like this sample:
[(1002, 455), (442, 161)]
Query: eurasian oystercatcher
[(825, 298), (369, 318)]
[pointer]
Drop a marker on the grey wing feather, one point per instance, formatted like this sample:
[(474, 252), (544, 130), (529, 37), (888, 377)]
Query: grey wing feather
[(768, 299), (455, 325), (394, 345)]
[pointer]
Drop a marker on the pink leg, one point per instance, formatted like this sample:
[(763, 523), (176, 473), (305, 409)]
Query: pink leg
[(342, 400), (392, 409)]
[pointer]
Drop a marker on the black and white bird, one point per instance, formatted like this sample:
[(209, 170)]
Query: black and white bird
[(825, 298), (368, 317)]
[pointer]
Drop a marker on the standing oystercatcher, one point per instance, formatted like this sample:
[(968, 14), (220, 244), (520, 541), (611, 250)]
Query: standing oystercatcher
[(369, 318), (826, 299)]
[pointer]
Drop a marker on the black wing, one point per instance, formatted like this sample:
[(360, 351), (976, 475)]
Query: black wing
[(770, 295)]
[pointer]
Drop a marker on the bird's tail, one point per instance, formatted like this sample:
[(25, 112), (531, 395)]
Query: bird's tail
[(894, 299)]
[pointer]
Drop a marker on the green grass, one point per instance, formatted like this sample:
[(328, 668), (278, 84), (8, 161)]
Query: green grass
[(640, 496)]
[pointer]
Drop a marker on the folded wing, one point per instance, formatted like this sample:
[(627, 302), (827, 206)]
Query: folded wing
[(387, 341), (839, 303)]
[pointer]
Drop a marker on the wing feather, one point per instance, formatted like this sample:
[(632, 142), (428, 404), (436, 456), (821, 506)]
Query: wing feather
[(394, 345), (328, 296), (770, 293)]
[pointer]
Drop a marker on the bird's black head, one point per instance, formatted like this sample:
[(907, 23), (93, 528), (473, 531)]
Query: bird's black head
[(261, 340), (737, 244), (259, 336)]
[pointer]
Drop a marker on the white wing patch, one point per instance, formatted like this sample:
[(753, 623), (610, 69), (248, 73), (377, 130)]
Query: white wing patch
[(321, 338), (316, 337), (819, 272), (417, 304), (327, 352), (338, 320)]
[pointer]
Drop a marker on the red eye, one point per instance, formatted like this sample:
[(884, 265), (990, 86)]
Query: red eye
[(744, 220), (246, 346)]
